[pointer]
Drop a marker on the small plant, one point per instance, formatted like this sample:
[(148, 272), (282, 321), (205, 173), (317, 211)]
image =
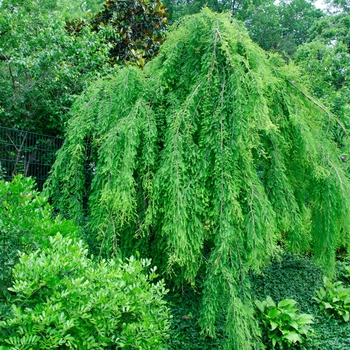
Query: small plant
[(334, 299), (282, 324), (64, 300)]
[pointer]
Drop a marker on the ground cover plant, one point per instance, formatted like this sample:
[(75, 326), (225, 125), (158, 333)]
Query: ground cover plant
[(208, 161), (299, 278)]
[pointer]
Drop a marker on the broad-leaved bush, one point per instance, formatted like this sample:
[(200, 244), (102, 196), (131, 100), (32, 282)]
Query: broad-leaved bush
[(334, 299), (64, 300), (283, 325)]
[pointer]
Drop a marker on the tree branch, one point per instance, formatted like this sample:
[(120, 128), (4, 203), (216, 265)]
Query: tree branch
[(4, 58)]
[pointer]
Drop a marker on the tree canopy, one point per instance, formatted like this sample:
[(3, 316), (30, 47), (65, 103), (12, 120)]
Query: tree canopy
[(206, 161)]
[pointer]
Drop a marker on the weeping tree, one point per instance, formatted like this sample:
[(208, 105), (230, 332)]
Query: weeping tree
[(208, 160)]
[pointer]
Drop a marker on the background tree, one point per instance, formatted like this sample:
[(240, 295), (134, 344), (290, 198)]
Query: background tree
[(326, 60), (282, 27), (135, 29), (206, 161), (42, 67)]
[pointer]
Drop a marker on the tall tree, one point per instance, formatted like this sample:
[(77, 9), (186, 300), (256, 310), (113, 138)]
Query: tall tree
[(326, 60), (283, 26), (205, 161)]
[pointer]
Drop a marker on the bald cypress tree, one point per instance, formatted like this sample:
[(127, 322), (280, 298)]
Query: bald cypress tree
[(206, 161)]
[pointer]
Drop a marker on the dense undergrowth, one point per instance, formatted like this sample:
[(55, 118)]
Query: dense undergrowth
[(38, 288), (292, 276)]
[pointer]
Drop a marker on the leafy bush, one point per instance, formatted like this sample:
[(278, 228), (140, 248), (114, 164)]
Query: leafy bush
[(64, 300), (25, 223), (334, 299), (283, 325)]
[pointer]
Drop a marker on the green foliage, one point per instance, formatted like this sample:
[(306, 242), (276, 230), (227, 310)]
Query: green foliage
[(283, 26), (42, 67), (298, 278), (134, 29), (205, 160), (326, 61), (25, 224), (343, 271), (283, 325), (334, 299), (62, 299), (185, 332)]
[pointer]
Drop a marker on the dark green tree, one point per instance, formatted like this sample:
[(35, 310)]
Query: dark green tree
[(133, 29), (284, 26), (206, 161)]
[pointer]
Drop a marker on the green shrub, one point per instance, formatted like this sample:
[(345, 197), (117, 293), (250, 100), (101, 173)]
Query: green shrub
[(26, 222), (334, 299), (65, 300), (282, 324)]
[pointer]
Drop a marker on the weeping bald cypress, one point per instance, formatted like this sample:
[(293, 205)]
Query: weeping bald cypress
[(206, 161)]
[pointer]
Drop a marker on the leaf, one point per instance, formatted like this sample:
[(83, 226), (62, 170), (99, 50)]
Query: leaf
[(270, 302), (328, 305), (273, 313), (274, 325), (292, 337), (346, 316), (286, 302), (260, 305), (305, 319), (294, 325)]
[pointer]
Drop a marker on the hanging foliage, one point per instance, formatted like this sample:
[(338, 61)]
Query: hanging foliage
[(206, 161)]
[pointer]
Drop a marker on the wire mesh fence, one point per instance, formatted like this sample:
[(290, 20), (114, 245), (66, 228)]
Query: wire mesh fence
[(27, 153)]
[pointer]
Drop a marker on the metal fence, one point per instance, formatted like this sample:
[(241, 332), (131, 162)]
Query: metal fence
[(27, 153)]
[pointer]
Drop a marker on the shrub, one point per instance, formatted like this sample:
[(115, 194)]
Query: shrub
[(64, 300), (25, 223), (334, 299), (283, 325)]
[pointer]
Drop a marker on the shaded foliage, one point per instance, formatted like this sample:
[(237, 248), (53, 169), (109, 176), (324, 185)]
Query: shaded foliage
[(134, 29), (299, 278)]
